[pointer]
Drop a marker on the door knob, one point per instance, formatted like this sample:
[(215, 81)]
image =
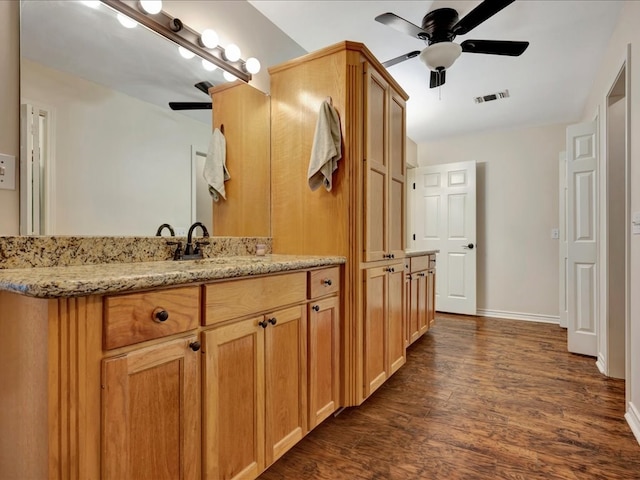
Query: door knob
[(468, 247)]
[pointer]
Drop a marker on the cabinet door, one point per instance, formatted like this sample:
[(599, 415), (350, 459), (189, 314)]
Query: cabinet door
[(376, 169), (233, 397), (423, 303), (431, 297), (285, 380), (375, 360), (395, 312), (412, 323), (151, 413), (323, 359), (397, 159)]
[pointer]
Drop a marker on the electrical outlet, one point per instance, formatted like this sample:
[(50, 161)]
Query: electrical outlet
[(555, 233), (181, 231), (7, 172)]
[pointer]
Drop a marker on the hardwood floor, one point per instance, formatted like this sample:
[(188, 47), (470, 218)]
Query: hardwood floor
[(478, 399)]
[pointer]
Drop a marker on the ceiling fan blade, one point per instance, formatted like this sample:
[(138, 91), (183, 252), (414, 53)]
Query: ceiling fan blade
[(204, 86), (437, 78), (402, 25), (401, 58), (482, 12), (190, 105), (494, 47)]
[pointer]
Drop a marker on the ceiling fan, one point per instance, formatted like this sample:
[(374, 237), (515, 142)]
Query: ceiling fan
[(203, 87), (440, 27)]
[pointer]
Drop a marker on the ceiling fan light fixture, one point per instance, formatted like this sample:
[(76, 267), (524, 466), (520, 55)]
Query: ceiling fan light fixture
[(440, 55)]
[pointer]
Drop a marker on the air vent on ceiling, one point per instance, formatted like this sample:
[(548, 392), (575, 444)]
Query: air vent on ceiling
[(493, 96)]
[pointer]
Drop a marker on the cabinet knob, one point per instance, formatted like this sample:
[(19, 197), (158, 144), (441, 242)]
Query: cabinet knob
[(273, 321), (195, 346), (326, 282), (390, 269), (160, 315), (263, 324), (316, 308)]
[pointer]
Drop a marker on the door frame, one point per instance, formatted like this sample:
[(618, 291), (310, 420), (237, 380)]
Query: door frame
[(623, 65)]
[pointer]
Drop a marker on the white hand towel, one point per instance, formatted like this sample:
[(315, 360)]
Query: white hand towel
[(327, 148), (215, 169)]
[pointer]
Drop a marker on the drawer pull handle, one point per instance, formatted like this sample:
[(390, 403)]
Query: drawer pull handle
[(195, 346), (160, 315), (326, 282), (263, 324), (316, 308), (390, 269), (273, 321)]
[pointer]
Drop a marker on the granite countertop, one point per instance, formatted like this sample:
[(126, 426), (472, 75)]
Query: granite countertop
[(417, 253), (80, 280)]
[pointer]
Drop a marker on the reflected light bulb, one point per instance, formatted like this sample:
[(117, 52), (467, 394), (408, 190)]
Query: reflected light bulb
[(252, 65), (209, 38), (229, 77), (184, 53), (151, 6), (208, 66), (92, 3), (126, 21), (232, 52)]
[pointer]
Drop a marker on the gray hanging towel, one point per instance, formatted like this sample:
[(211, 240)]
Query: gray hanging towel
[(327, 148)]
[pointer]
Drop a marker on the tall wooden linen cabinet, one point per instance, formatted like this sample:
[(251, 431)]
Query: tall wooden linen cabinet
[(363, 216)]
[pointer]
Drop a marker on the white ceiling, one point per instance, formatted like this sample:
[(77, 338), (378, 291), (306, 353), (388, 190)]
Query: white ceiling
[(548, 84)]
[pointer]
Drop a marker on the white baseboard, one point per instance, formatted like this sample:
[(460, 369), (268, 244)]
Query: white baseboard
[(529, 317), (633, 419), (601, 364)]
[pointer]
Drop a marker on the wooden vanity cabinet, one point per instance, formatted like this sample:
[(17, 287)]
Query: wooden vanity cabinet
[(151, 393), (420, 298), (255, 384), (383, 329), (362, 217), (323, 355)]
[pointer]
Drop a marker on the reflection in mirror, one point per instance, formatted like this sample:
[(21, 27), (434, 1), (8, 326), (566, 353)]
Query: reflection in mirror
[(115, 160)]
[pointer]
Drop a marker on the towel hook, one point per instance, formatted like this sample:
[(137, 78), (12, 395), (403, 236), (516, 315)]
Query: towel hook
[(222, 128)]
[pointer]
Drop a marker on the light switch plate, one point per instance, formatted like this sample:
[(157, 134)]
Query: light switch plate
[(555, 233), (7, 172), (635, 224)]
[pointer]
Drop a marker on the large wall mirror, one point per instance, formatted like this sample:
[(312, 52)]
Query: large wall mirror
[(116, 159)]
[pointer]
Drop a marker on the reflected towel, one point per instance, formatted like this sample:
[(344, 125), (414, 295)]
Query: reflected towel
[(215, 169), (327, 148)]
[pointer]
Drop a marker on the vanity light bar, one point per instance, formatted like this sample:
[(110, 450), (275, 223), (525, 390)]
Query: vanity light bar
[(181, 34)]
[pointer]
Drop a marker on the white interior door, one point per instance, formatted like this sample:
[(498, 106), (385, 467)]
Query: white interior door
[(201, 201), (582, 238), (444, 197)]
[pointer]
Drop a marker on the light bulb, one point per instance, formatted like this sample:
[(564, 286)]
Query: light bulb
[(92, 3), (229, 77), (126, 21), (209, 38), (151, 6), (252, 65), (184, 53), (208, 66), (232, 52)]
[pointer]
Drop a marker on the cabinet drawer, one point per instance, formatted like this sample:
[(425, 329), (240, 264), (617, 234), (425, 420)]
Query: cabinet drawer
[(419, 263), (432, 261), (238, 298), (136, 317), (323, 282)]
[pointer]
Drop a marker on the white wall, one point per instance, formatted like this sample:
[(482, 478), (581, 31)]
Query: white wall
[(626, 32), (517, 206), (122, 166)]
